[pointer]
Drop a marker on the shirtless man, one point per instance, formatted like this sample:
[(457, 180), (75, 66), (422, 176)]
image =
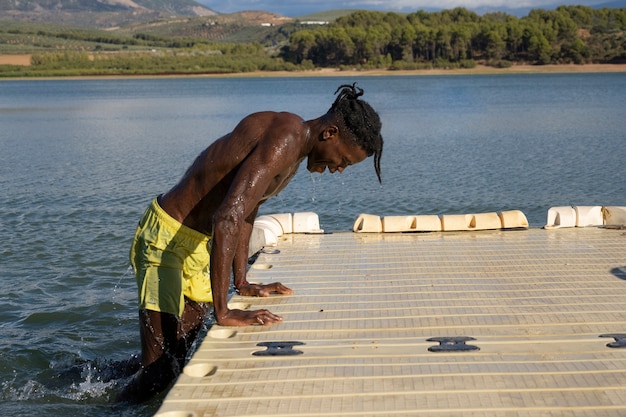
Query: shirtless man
[(212, 209)]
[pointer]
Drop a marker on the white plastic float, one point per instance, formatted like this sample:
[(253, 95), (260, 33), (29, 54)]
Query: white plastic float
[(460, 222), (614, 216), (286, 221), (589, 216), (583, 216), (268, 228), (561, 216), (370, 223), (307, 222), (513, 219), (271, 229), (421, 223)]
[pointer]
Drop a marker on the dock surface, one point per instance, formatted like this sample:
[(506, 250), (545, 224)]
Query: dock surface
[(483, 323)]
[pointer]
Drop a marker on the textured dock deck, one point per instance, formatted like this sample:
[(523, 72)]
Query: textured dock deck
[(533, 309)]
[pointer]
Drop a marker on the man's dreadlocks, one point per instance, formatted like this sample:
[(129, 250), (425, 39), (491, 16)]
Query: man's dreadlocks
[(361, 120)]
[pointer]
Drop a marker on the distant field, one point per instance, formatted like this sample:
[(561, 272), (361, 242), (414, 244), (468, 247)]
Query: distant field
[(23, 60), (19, 38)]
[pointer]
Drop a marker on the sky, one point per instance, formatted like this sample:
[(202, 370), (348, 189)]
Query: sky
[(293, 8)]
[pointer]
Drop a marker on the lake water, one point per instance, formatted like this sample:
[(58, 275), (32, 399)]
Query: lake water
[(81, 159)]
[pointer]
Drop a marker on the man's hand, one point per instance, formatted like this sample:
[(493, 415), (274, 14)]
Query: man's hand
[(262, 290), (245, 318), (261, 317)]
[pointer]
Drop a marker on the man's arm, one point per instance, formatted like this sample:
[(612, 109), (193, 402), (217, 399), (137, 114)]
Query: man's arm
[(240, 262), (230, 248), (276, 152)]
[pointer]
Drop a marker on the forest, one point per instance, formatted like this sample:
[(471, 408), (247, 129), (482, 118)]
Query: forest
[(361, 40), (459, 37)]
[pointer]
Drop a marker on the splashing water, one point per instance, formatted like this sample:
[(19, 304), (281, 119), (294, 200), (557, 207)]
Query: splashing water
[(93, 381)]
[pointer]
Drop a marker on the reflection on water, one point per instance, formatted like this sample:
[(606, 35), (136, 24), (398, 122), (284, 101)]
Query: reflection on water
[(82, 159)]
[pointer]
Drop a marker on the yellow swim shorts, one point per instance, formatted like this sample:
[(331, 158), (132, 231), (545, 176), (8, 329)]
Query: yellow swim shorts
[(171, 261)]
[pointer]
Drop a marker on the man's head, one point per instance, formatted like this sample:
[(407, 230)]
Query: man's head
[(359, 119), (351, 134)]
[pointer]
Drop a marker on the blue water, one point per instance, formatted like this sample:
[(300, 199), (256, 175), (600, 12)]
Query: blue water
[(81, 159)]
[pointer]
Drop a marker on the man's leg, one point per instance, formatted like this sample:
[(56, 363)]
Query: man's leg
[(159, 365), (189, 327)]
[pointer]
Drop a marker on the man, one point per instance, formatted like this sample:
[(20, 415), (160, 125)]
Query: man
[(213, 208)]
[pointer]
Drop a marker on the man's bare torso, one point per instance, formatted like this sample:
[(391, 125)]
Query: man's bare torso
[(232, 158)]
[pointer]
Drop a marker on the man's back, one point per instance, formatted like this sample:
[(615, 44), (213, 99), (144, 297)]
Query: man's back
[(264, 141)]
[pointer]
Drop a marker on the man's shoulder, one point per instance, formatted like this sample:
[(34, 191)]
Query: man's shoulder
[(276, 126), (275, 115)]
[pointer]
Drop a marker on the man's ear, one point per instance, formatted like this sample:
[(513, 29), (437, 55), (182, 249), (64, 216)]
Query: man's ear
[(330, 132)]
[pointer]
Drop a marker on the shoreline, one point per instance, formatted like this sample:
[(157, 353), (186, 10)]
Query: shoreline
[(478, 70), (24, 60)]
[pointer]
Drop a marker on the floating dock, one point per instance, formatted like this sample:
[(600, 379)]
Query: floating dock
[(513, 322)]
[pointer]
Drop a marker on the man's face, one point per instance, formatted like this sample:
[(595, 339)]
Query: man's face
[(335, 154)]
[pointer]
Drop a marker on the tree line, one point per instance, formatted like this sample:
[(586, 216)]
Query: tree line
[(459, 37)]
